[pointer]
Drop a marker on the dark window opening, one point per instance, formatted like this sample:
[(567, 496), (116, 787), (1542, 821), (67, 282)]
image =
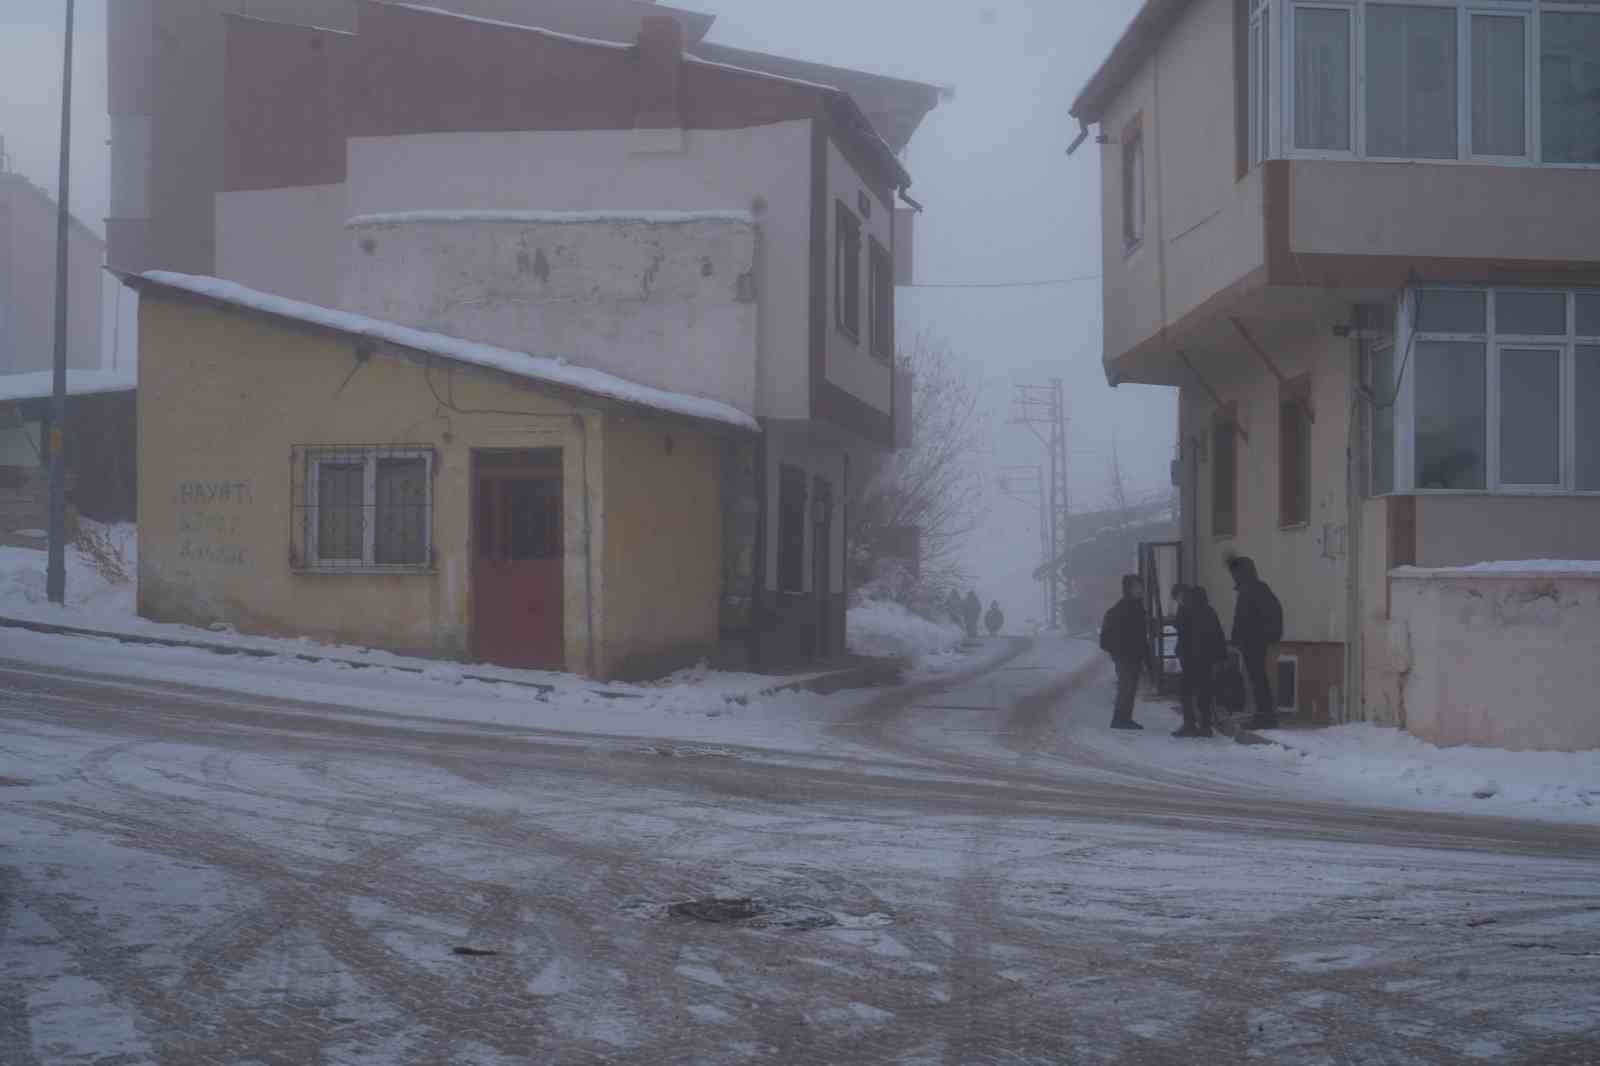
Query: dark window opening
[(847, 272), (1224, 475), (791, 529), (881, 311), (1294, 453)]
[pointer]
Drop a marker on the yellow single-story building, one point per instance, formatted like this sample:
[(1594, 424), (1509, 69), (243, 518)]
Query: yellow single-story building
[(308, 472)]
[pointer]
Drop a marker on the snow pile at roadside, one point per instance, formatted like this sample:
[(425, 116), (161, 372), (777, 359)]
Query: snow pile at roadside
[(884, 629), (1506, 566), (89, 587), (1366, 762), (1368, 765)]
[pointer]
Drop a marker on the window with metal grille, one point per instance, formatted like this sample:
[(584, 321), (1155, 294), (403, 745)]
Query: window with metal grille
[(362, 507)]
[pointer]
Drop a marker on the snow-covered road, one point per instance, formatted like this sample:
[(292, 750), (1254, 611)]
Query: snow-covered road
[(957, 871)]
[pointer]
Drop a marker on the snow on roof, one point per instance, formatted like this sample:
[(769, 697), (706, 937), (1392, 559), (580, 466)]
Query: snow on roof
[(38, 384), (702, 62), (541, 368), (573, 37), (291, 25), (394, 218), (1511, 567)]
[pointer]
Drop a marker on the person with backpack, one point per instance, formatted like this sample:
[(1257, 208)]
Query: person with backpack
[(1202, 647), (1124, 637), (1257, 625), (995, 618)]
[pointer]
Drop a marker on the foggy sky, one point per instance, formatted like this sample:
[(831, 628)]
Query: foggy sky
[(1004, 203)]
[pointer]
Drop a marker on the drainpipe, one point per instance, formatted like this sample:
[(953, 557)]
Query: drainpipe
[(1355, 463)]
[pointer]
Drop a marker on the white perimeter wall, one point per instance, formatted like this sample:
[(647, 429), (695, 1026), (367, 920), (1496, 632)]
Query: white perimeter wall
[(663, 303), (850, 364), (632, 170), (1499, 661)]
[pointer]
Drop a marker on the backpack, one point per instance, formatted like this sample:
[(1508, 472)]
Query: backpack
[(1271, 615)]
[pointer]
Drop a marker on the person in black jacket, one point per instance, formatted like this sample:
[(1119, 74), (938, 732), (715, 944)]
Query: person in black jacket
[(1123, 636), (1201, 647), (1257, 625)]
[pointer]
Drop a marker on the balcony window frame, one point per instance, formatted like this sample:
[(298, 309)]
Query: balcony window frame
[(1278, 108), (1495, 344)]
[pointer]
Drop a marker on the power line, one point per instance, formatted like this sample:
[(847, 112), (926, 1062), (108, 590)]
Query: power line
[(1001, 284)]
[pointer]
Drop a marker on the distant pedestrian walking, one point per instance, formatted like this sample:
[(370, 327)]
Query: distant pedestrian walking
[(1202, 648), (1123, 637), (1257, 625), (995, 619), (971, 610)]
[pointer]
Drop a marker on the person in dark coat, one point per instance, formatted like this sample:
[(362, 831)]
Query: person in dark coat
[(995, 618), (1257, 625), (1201, 648), (971, 610), (1123, 636)]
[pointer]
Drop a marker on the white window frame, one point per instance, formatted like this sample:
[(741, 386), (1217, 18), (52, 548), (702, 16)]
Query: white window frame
[(1277, 141), (368, 456), (1290, 102), (1566, 344)]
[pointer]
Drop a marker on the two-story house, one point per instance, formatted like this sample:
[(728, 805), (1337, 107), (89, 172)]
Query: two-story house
[(540, 191), (1360, 238)]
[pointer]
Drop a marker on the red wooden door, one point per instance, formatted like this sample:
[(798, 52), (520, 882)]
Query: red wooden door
[(517, 564)]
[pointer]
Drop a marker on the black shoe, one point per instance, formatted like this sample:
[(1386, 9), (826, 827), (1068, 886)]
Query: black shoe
[(1129, 724), (1204, 731), (1186, 730)]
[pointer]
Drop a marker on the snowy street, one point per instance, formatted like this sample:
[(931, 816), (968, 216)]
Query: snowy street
[(955, 871)]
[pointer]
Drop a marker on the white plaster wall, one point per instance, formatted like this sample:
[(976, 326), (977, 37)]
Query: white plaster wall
[(1500, 661), (850, 364), (1204, 225), (661, 303), (1305, 565), (1432, 210), (28, 220), (285, 241), (765, 167)]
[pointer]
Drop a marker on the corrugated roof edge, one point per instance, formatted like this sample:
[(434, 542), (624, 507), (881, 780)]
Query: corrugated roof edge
[(1136, 44), (542, 369)]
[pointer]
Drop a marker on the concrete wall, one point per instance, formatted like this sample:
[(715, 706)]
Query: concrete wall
[(223, 399), (850, 363), (291, 242), (669, 304), (662, 568), (1500, 660), (28, 282), (606, 169), (1487, 212), (1204, 225)]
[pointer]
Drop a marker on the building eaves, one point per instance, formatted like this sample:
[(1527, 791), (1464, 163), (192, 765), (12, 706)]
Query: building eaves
[(1136, 45), (896, 106), (537, 369)]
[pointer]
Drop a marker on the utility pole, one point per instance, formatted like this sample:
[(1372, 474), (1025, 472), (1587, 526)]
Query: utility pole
[(1025, 484), (1044, 406), (56, 569)]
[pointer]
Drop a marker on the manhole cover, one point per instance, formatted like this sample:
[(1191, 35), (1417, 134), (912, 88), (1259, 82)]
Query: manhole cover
[(752, 913)]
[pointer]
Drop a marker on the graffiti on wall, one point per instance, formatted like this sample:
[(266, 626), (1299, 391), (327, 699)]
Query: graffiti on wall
[(210, 521)]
